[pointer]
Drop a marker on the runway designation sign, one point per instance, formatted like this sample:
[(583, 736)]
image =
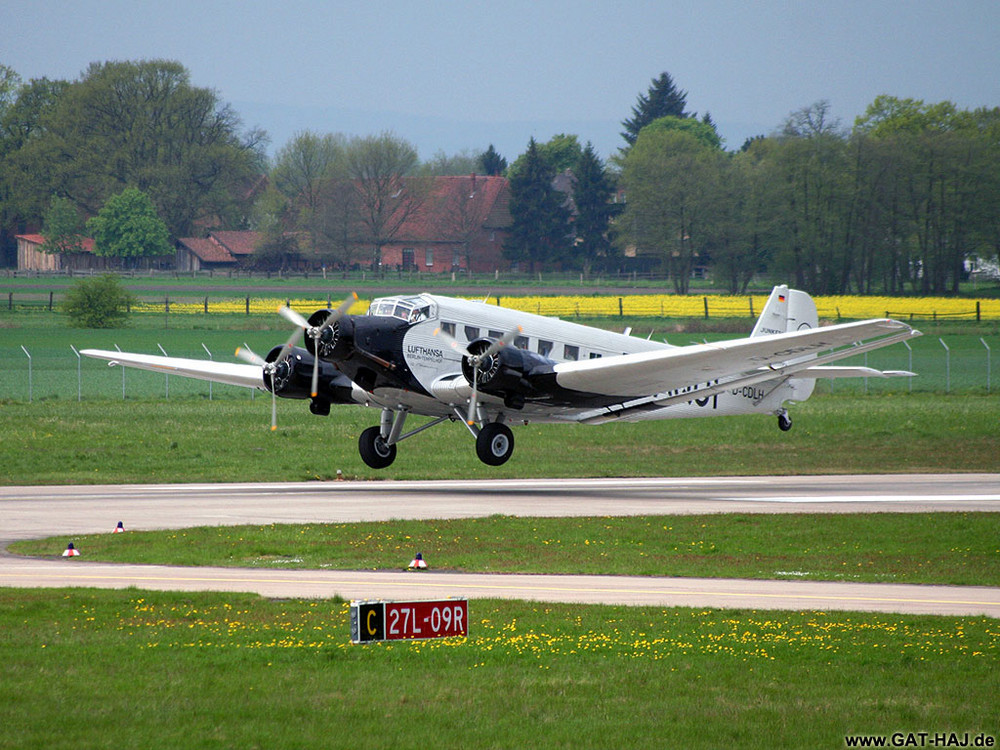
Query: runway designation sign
[(394, 621)]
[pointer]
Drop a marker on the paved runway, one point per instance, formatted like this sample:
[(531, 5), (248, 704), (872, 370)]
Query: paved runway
[(30, 512)]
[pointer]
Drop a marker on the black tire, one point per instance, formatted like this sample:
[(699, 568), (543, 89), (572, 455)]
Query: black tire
[(784, 422), (374, 450), (494, 444)]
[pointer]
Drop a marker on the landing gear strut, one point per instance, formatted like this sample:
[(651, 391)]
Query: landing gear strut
[(377, 445)]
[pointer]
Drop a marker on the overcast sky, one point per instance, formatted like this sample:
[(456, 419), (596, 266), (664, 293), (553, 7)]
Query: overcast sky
[(450, 76)]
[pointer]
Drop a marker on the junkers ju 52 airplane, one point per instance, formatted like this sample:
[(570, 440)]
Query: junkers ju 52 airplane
[(487, 368)]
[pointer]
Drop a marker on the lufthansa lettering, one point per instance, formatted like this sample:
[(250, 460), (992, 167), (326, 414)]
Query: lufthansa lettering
[(424, 352)]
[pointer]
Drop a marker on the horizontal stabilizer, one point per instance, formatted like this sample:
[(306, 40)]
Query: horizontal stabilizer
[(852, 372)]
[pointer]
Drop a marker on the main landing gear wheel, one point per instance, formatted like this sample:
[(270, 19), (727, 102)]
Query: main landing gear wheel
[(374, 450), (494, 444), (784, 421)]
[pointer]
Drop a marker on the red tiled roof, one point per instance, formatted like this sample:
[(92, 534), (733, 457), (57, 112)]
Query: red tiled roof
[(207, 250), (221, 247), (439, 218), (86, 243), (238, 243)]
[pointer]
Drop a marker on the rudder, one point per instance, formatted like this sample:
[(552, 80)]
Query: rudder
[(787, 310)]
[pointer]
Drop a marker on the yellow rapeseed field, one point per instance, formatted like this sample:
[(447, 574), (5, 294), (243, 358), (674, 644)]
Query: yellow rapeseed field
[(650, 305)]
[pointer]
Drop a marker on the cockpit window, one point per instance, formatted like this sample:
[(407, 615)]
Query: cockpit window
[(410, 309)]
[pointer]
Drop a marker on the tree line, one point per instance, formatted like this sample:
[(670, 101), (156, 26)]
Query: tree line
[(901, 202), (898, 202)]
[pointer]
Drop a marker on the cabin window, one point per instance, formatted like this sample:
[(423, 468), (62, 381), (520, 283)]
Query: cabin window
[(448, 328), (595, 355), (471, 333), (496, 334), (544, 347), (521, 342), (410, 309), (571, 352), (420, 313)]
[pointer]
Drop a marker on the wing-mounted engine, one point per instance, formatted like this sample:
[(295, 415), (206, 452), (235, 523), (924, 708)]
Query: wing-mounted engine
[(291, 377), (506, 371)]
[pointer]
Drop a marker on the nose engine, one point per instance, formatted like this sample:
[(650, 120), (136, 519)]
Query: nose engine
[(335, 341)]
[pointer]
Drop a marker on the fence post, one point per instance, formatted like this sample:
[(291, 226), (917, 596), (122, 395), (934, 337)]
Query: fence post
[(28, 355), (167, 377), (123, 375), (621, 312), (909, 364), (947, 366), (79, 378), (988, 352), (705, 300), (209, 359)]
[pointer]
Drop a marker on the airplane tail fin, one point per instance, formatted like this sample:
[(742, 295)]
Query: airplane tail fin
[(788, 310)]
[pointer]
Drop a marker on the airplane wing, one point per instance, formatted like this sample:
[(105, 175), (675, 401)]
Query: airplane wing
[(248, 376), (741, 361)]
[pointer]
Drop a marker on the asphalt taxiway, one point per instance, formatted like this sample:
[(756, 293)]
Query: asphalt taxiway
[(33, 512)]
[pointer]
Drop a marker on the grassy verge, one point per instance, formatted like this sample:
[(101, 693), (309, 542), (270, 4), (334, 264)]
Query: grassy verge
[(944, 548), (192, 439), (150, 669)]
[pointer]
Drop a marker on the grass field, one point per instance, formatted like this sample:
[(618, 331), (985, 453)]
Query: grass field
[(136, 669), (191, 439), (939, 548), (95, 669)]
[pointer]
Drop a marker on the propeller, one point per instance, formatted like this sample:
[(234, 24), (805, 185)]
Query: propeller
[(248, 355), (475, 360), (315, 332)]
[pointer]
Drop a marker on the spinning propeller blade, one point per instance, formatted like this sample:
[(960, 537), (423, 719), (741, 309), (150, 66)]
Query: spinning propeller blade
[(247, 355), (314, 332), (452, 342), (475, 360), (332, 318), (292, 317)]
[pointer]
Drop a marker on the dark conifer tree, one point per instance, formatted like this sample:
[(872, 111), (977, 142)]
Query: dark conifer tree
[(491, 162), (592, 194), (540, 231), (663, 99)]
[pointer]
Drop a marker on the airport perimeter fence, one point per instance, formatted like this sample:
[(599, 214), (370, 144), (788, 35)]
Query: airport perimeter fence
[(50, 369), (567, 306)]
